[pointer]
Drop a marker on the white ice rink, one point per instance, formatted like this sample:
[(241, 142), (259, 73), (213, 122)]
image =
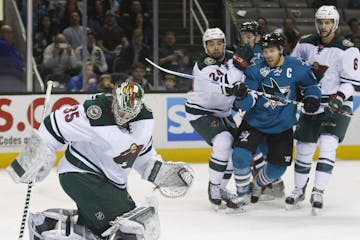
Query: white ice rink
[(191, 217)]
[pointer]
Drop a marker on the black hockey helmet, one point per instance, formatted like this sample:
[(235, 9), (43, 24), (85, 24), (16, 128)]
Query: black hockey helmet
[(272, 39), (250, 26)]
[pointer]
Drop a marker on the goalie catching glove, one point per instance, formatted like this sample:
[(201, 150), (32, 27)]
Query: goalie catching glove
[(173, 179)]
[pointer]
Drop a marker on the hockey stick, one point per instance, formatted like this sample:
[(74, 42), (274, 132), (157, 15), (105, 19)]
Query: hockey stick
[(31, 184), (266, 95), (228, 4)]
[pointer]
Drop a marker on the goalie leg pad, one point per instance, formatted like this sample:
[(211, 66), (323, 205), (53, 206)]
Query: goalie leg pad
[(57, 224), (138, 224)]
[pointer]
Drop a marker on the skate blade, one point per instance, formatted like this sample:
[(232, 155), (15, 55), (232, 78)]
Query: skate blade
[(238, 210), (315, 211), (217, 208), (290, 207)]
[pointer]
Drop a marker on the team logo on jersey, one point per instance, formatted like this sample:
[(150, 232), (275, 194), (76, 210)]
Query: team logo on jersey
[(347, 43), (244, 136), (264, 71), (127, 157), (277, 71), (99, 215), (319, 70), (275, 90), (94, 112), (215, 123), (209, 61)]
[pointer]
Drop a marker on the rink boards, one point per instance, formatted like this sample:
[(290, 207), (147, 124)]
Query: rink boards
[(173, 136)]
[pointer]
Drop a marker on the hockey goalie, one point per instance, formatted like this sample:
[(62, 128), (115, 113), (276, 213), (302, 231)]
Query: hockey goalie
[(107, 137)]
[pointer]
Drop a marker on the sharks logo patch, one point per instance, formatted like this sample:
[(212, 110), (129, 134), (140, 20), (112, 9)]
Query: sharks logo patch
[(275, 90)]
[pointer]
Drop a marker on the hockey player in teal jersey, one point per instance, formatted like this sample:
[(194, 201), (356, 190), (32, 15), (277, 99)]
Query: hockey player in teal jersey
[(334, 62), (249, 32), (270, 120), (107, 137)]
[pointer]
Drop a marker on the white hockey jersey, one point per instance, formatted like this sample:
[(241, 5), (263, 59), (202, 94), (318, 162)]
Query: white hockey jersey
[(96, 144), (207, 97), (335, 65)]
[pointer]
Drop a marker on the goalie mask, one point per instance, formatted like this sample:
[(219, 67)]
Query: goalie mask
[(211, 34), (128, 98), (327, 12)]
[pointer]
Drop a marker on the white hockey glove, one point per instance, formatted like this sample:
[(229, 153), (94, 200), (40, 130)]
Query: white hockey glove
[(143, 222), (173, 179), (34, 161)]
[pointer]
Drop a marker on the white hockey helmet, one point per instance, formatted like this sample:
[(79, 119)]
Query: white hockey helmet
[(213, 33), (327, 12), (128, 98)]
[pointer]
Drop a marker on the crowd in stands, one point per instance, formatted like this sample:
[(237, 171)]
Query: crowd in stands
[(118, 39)]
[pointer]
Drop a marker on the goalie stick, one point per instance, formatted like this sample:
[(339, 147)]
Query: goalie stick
[(31, 184), (266, 95)]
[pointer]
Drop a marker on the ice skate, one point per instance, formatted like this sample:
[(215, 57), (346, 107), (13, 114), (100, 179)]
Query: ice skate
[(316, 201), (296, 196), (214, 195), (238, 204), (256, 192), (273, 190)]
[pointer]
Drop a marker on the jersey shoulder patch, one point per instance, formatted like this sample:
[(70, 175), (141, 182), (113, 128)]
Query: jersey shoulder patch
[(341, 42), (145, 113), (205, 60), (310, 38), (98, 110)]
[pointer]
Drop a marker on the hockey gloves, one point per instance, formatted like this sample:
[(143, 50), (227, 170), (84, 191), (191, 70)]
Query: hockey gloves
[(311, 104), (240, 90), (243, 56), (336, 102)]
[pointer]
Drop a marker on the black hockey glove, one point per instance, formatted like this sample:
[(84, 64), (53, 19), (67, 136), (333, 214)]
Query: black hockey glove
[(311, 104), (240, 90), (243, 56)]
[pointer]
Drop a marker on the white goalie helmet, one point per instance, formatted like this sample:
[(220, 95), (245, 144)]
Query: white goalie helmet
[(327, 12), (128, 98), (213, 33)]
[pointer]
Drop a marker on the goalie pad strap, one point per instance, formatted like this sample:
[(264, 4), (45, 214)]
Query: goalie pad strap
[(154, 171)]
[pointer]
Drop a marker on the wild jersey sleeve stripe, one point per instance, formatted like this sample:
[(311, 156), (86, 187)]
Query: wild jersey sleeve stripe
[(355, 82), (147, 148), (49, 126)]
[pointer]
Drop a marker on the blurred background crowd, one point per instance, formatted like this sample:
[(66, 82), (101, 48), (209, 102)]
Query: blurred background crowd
[(117, 36)]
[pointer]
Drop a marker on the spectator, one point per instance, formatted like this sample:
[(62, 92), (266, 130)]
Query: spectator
[(356, 41), (263, 26), (145, 27), (97, 17), (172, 57), (94, 54), (38, 12), (354, 28), (105, 83), (318, 3), (110, 37), (170, 83), (353, 4), (137, 75), (44, 35), (136, 51), (70, 7), (12, 64), (291, 34), (128, 6), (76, 82), (74, 33), (59, 62)]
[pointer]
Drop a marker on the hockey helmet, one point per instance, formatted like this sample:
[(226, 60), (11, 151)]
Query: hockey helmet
[(128, 98), (213, 33), (250, 26), (327, 12), (271, 40)]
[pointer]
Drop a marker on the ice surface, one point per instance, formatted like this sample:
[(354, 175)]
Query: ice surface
[(191, 218)]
